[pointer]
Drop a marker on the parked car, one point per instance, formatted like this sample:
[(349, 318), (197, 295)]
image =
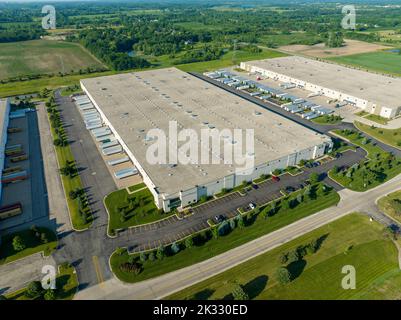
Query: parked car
[(219, 218), (255, 186), (276, 179), (252, 206), (289, 189)]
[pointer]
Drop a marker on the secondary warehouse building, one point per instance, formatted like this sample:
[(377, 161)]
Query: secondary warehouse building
[(371, 92), (132, 104)]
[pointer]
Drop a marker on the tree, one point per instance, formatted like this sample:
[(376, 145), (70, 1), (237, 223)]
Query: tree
[(175, 248), (300, 198), (18, 244), (293, 256), (241, 223), (189, 242), (50, 294), (43, 238), (215, 232), (283, 275), (314, 177), (34, 289), (232, 224), (238, 293), (160, 252), (143, 257), (283, 257), (2, 297)]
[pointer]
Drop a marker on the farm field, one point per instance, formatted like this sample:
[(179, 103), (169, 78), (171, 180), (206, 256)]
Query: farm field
[(351, 240), (382, 61), (43, 57)]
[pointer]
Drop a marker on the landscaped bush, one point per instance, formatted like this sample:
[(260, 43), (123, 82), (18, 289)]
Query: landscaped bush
[(134, 267)]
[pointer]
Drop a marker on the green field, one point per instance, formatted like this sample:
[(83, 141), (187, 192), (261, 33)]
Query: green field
[(139, 208), (328, 119), (382, 61), (352, 240), (43, 57), (31, 86), (206, 247), (388, 136), (32, 242)]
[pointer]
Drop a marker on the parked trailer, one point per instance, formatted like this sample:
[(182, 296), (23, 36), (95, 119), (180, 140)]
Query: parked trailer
[(21, 157), (102, 133), (112, 150), (109, 144), (90, 112), (124, 173), (14, 177), (93, 126), (117, 161), (10, 210), (13, 130), (11, 169), (13, 152), (14, 146), (109, 137)]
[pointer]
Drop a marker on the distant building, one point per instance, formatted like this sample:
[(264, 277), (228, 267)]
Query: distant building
[(373, 93), (4, 118)]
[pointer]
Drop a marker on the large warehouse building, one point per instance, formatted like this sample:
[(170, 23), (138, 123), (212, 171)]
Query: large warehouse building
[(4, 112), (131, 104), (371, 92)]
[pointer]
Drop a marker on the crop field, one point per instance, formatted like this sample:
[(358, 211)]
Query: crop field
[(382, 61), (351, 240), (43, 57)]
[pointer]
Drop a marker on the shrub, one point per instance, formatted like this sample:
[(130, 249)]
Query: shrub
[(189, 242), (50, 294), (238, 293), (143, 257), (152, 256), (175, 248), (284, 258), (160, 252), (18, 244), (293, 256), (131, 267), (283, 275), (223, 228), (34, 289)]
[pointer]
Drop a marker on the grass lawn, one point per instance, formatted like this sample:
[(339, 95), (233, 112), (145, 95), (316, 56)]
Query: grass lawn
[(381, 61), (64, 154), (351, 240), (388, 136), (136, 187), (376, 118), (391, 205), (33, 244), (380, 167), (328, 119), (139, 208), (43, 57), (255, 227), (66, 285)]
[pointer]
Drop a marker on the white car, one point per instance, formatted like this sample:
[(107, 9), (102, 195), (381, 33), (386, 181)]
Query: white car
[(252, 206)]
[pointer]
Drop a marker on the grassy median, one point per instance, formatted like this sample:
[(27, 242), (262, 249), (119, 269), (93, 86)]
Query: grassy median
[(205, 246)]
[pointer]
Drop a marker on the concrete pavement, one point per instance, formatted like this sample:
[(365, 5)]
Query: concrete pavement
[(167, 284)]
